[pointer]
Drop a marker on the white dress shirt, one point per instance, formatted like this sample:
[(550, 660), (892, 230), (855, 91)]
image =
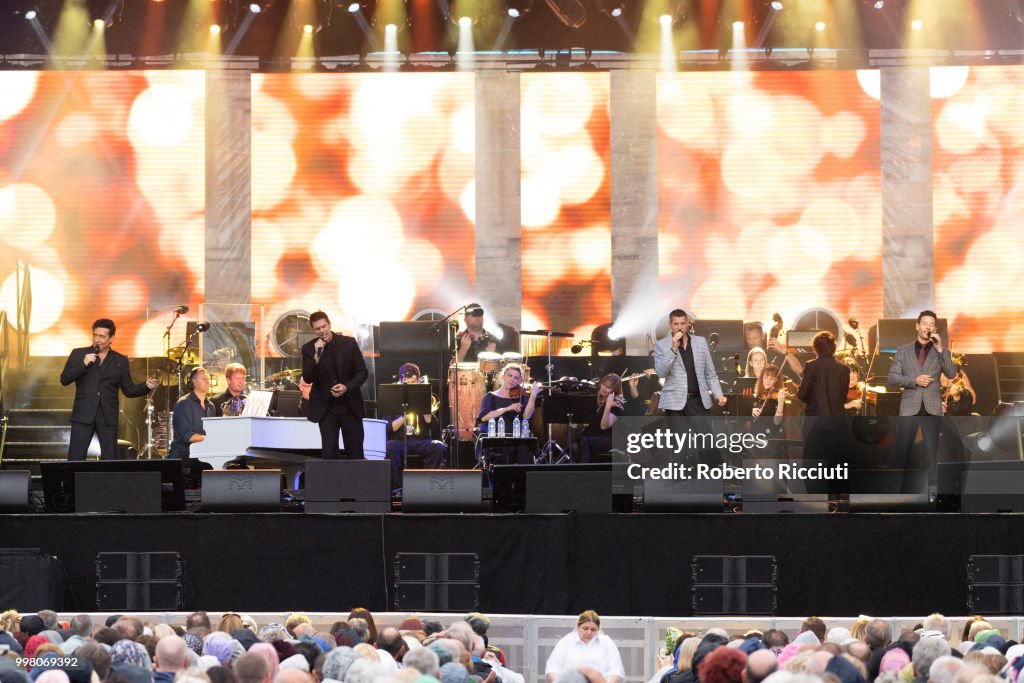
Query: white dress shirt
[(600, 653)]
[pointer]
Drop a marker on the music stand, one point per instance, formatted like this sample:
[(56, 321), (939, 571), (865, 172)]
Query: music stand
[(560, 409), (402, 399)]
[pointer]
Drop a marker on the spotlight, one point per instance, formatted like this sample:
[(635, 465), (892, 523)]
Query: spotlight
[(612, 8), (879, 4), (819, 27), (214, 29), (666, 20), (465, 22), (99, 25), (737, 26), (917, 24), (31, 14), (255, 8), (777, 5), (391, 29), (307, 29), (517, 8), (353, 7)]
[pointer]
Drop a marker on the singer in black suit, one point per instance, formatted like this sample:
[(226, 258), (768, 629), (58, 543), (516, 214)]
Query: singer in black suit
[(98, 372), (333, 365)]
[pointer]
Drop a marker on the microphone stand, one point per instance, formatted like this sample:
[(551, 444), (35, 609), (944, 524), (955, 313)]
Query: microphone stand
[(167, 334)]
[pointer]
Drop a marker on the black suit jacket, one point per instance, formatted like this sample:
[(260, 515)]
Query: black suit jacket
[(342, 362), (824, 387), (96, 385)]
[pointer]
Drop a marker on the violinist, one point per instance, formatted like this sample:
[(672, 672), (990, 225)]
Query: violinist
[(508, 402), (420, 433), (757, 361), (610, 406), (769, 395)]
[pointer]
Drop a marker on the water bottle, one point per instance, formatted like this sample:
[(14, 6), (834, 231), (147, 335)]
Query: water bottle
[(491, 429), (501, 427), (515, 428), (524, 430)]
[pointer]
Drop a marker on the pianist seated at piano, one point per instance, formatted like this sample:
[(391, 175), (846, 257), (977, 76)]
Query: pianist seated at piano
[(231, 402), (187, 418), (421, 434)]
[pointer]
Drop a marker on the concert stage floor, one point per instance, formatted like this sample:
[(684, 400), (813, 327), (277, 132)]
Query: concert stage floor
[(618, 564)]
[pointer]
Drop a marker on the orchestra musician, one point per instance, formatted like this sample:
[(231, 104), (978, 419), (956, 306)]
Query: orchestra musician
[(958, 396), (641, 387), (421, 434), (610, 406), (510, 401), (757, 360), (231, 401), (769, 395), (334, 366), (855, 391), (98, 373), (916, 368), (474, 339)]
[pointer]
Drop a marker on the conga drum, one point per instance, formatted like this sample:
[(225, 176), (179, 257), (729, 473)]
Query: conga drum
[(466, 389), (489, 361)]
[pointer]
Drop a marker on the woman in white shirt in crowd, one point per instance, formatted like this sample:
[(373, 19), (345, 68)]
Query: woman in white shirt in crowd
[(586, 646)]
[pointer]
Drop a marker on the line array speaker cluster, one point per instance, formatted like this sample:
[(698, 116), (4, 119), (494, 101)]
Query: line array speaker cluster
[(734, 584)]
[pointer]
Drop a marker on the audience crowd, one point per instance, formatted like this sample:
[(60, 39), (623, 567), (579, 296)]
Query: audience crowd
[(125, 649)]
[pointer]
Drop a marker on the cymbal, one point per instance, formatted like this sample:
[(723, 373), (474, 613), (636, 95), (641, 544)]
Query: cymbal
[(291, 374), (191, 355)]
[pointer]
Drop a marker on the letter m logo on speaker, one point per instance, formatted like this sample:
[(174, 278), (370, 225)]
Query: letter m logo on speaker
[(240, 484), (442, 483)]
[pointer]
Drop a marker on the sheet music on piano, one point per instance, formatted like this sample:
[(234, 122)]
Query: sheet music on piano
[(257, 404)]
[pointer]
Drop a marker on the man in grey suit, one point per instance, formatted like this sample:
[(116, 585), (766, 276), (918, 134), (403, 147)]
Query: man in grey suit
[(684, 360), (916, 369)]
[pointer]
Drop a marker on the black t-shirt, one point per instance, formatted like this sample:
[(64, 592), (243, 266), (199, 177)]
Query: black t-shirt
[(594, 428)]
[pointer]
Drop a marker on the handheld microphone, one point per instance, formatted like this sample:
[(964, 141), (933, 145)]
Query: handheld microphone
[(202, 327), (181, 310), (96, 348)]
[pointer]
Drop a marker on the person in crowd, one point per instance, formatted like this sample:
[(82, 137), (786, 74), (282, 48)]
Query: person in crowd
[(586, 646)]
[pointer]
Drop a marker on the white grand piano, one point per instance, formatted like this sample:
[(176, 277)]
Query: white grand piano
[(286, 439)]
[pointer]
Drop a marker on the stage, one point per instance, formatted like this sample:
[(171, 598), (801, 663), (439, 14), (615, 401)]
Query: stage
[(618, 564)]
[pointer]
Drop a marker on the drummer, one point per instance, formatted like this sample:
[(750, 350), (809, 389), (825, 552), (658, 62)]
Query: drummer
[(474, 338), (509, 402)]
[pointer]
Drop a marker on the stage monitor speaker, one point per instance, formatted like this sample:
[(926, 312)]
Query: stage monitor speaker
[(348, 486), (888, 490), (123, 596), (891, 333), (131, 492), (15, 490), (683, 495), (995, 569), (437, 597), (734, 569), (59, 480), (30, 581), (568, 491), (155, 566), (996, 486), (442, 491), (734, 600), (443, 567), (241, 490)]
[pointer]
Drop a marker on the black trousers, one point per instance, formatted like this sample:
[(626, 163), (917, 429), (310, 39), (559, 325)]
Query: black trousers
[(340, 417), (592, 445), (432, 452), (929, 426), (81, 437)]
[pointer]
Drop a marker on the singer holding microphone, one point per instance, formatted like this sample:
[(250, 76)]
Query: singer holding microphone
[(334, 367), (916, 369), (98, 373)]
